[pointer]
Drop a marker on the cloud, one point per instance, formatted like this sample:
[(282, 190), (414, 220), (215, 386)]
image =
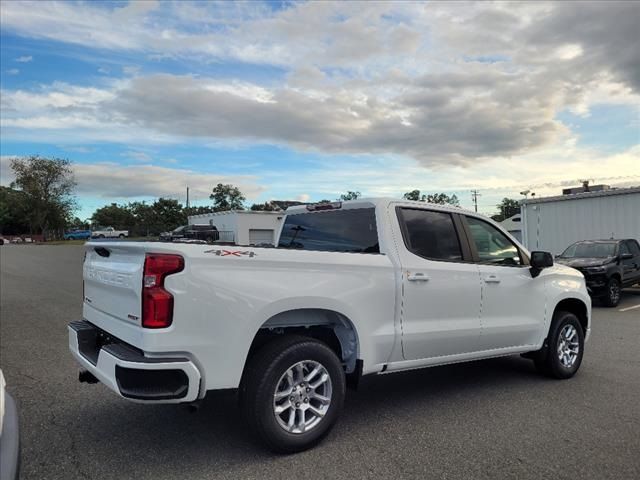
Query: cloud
[(13, 71), (138, 156), (112, 180), (24, 59), (434, 82)]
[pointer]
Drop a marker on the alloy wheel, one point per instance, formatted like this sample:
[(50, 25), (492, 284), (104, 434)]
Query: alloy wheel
[(302, 396)]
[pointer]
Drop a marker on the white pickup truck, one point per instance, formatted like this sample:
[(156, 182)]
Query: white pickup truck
[(109, 232), (354, 288)]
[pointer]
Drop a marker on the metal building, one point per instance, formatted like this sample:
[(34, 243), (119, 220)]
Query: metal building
[(554, 223), (243, 227)]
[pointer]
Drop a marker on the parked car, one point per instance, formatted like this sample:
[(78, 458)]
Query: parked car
[(77, 235), (607, 265), (206, 233), (174, 234), (109, 232), (354, 288), (9, 435)]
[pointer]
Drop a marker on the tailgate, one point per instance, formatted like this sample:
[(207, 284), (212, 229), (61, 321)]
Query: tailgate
[(113, 280)]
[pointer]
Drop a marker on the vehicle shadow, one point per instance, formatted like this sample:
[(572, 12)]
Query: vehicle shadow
[(215, 437)]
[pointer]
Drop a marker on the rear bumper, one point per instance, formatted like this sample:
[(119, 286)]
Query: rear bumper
[(129, 372)]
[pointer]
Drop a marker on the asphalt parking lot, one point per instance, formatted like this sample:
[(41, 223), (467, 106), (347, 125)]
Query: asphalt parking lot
[(491, 419)]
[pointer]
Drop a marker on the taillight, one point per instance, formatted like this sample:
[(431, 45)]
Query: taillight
[(157, 303)]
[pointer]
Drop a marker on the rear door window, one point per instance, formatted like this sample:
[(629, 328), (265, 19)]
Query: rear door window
[(624, 248), (353, 230), (430, 234), (633, 247)]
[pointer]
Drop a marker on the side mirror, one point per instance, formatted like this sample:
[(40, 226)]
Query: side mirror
[(626, 256), (540, 260)]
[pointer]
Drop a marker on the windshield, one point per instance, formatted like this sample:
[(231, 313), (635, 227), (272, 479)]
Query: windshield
[(179, 229), (590, 250)]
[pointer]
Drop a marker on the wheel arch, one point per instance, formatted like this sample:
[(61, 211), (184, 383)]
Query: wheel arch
[(578, 308), (330, 326)]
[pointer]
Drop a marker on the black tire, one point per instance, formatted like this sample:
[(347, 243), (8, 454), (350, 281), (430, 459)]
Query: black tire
[(261, 378), (100, 236), (121, 235), (209, 239), (548, 360), (614, 292)]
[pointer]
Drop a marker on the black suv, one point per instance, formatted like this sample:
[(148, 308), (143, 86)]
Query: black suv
[(207, 233), (607, 266)]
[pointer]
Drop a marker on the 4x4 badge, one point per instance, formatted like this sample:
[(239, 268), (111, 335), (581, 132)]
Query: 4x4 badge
[(233, 253)]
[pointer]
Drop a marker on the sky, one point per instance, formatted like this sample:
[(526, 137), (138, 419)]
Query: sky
[(306, 100)]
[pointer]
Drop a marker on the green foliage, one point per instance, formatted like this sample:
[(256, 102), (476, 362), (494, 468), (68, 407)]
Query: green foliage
[(443, 199), (265, 207), (508, 207), (414, 195), (79, 224), (350, 196), (227, 197), (438, 198), (13, 212), (47, 186), (114, 215), (197, 211)]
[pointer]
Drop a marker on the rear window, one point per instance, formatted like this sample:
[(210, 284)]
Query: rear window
[(352, 230)]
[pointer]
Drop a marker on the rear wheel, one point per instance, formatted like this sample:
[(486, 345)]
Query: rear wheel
[(561, 355), (293, 392), (613, 293), (121, 235)]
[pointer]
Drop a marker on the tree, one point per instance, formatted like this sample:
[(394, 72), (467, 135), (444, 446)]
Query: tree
[(114, 215), (227, 197), (438, 198), (168, 214), (80, 224), (443, 199), (13, 212), (350, 196), (47, 184), (196, 211), (508, 207), (414, 195), (265, 207)]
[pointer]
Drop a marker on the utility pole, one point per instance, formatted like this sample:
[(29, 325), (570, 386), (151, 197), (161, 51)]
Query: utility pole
[(474, 197), (187, 197)]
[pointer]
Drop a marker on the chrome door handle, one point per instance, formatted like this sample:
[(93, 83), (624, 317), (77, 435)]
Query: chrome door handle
[(418, 277), (492, 279)]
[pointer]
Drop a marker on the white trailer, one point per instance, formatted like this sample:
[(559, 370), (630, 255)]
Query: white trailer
[(243, 227), (554, 223)]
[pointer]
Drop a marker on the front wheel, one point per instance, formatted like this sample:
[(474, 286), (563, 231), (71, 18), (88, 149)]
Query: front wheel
[(612, 295), (561, 355), (293, 392)]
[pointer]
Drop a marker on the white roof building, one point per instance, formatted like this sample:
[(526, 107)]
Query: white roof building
[(243, 227)]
